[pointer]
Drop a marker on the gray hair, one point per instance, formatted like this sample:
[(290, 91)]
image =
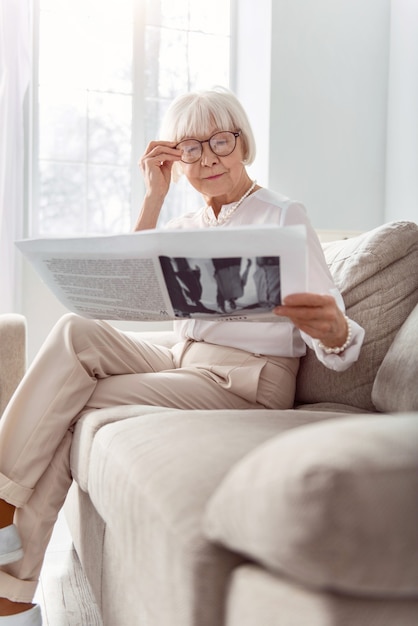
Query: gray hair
[(197, 113)]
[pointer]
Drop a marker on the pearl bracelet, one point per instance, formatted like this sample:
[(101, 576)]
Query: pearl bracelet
[(345, 344)]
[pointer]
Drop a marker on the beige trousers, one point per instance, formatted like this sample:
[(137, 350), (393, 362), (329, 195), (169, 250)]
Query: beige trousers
[(86, 364)]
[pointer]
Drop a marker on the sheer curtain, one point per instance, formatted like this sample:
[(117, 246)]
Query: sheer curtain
[(14, 81), (402, 137)]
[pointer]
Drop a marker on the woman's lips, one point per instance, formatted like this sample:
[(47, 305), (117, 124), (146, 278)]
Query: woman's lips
[(214, 177)]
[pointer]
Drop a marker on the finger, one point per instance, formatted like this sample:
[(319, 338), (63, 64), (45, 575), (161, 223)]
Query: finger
[(302, 314), (157, 149), (158, 160), (159, 144), (308, 306), (308, 299), (158, 153)]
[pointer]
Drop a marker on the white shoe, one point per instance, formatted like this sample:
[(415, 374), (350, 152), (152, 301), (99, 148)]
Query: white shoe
[(31, 617), (10, 545)]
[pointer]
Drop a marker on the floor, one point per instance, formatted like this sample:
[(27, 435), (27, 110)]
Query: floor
[(63, 591)]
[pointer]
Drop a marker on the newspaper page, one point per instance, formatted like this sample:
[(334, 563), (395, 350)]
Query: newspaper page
[(226, 274)]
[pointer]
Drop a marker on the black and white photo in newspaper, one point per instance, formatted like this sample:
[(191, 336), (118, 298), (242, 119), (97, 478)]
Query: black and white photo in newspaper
[(233, 286)]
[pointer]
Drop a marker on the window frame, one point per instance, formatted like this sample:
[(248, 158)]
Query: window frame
[(138, 131)]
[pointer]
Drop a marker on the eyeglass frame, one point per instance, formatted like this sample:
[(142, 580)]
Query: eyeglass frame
[(236, 134)]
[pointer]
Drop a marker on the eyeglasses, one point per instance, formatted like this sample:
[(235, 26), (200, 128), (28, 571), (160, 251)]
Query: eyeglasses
[(221, 144)]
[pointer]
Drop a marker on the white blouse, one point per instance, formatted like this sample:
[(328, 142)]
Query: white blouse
[(270, 338)]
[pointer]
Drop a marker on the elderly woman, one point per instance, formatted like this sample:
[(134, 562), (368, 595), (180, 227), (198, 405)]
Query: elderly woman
[(86, 364)]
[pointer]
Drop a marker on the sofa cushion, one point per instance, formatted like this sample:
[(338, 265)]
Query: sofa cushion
[(150, 478), (87, 427), (333, 505), (396, 384), (373, 273), (258, 598)]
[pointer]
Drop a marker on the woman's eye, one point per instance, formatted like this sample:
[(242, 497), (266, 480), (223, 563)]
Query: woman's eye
[(190, 150)]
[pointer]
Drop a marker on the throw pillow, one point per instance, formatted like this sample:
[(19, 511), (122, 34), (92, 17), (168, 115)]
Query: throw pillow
[(373, 273)]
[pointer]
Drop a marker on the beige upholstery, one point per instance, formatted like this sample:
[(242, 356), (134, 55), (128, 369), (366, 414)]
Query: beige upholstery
[(171, 475), (168, 504), (376, 273), (396, 385), (318, 503), (12, 355), (258, 598)]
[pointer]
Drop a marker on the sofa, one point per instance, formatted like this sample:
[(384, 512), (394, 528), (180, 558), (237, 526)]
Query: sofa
[(307, 516), (280, 518), (12, 354)]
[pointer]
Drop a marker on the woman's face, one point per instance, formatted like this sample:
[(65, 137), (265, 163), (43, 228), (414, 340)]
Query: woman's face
[(214, 175)]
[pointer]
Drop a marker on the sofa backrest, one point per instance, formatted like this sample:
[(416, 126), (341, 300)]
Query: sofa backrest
[(396, 384), (377, 275)]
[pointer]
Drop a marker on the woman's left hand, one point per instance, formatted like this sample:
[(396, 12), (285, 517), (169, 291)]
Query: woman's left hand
[(317, 315)]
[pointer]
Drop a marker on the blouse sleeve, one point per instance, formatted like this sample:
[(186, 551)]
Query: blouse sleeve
[(342, 361), (320, 281)]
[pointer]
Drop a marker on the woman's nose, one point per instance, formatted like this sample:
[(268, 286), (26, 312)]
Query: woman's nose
[(208, 157)]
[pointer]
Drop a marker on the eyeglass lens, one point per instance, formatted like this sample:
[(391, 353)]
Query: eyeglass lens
[(221, 144)]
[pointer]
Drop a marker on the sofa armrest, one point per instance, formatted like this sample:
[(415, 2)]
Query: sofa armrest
[(332, 504), (12, 355)]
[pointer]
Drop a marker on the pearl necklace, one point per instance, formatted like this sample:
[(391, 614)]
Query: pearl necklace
[(225, 215)]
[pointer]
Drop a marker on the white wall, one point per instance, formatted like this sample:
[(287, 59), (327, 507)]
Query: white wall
[(402, 144), (327, 105)]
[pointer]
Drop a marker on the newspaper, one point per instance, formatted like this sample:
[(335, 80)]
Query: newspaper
[(223, 274)]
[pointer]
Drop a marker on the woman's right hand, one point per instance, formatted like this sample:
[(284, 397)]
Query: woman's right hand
[(156, 164)]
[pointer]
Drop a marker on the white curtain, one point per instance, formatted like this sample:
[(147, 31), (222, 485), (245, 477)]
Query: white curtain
[(14, 81), (402, 131)]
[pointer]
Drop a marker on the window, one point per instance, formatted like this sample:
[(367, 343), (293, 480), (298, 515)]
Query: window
[(104, 73)]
